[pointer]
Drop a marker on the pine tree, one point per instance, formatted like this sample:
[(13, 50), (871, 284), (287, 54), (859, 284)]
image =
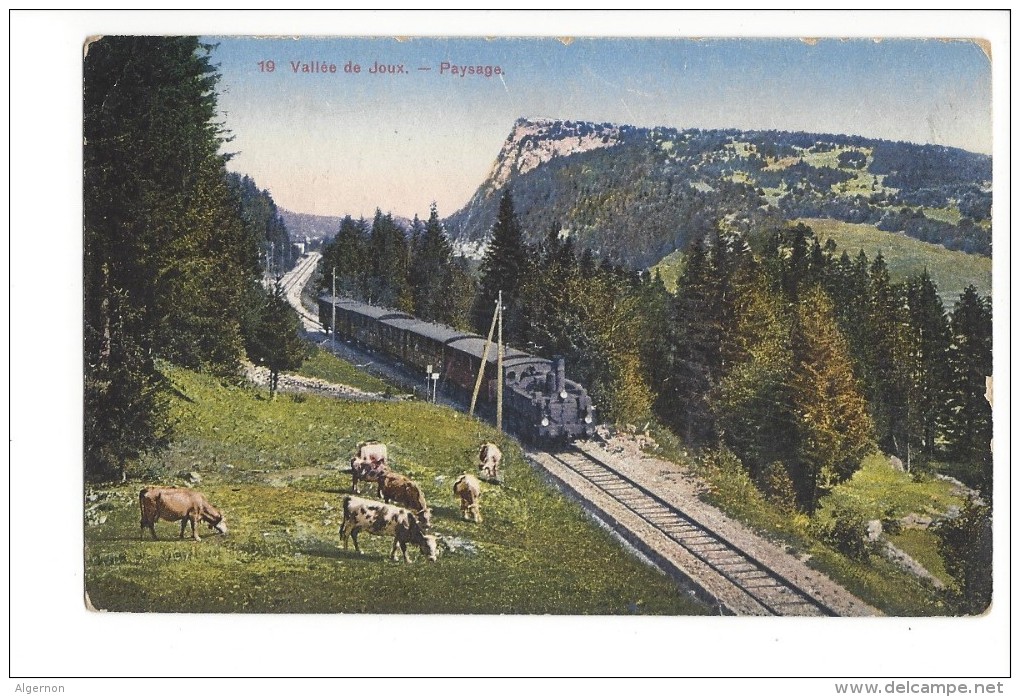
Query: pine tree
[(599, 317), (346, 254), (926, 364), (456, 301), (430, 270), (969, 418), (125, 395), (886, 381), (505, 267), (965, 544), (158, 212), (752, 401), (831, 415), (277, 343), (169, 268), (694, 357), (388, 261)]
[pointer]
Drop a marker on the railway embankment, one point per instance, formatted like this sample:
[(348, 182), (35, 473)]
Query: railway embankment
[(680, 489)]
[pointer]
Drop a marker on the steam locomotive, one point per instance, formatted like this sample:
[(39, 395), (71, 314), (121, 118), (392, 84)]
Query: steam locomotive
[(539, 403)]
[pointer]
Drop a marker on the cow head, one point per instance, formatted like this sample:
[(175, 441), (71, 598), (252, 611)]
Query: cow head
[(426, 543), (215, 520), (429, 547), (425, 518)]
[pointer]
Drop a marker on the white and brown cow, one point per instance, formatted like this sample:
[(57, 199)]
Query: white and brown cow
[(173, 504), (469, 490), (383, 519), (489, 458), (368, 464)]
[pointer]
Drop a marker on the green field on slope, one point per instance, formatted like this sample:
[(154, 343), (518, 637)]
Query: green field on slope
[(273, 468), (905, 256)]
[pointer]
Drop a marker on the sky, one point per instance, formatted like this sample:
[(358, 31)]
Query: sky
[(343, 142)]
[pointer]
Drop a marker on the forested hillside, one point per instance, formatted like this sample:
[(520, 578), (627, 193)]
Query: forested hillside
[(633, 195), (175, 248)]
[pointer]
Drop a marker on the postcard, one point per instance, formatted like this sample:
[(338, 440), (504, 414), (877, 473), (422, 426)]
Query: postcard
[(587, 330)]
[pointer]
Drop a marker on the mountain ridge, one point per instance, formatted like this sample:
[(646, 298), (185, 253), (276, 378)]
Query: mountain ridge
[(635, 194)]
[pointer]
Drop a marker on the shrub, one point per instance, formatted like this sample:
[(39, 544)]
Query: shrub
[(777, 485), (848, 532)]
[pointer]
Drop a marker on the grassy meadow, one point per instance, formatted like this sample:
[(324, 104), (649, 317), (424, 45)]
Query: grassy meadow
[(905, 256), (273, 468)]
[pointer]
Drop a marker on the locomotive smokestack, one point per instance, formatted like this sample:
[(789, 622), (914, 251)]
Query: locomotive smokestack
[(561, 375)]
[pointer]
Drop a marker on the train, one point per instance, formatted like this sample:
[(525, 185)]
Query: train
[(540, 404)]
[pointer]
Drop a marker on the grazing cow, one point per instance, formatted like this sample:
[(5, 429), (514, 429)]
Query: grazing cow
[(383, 519), (469, 490), (401, 490), (368, 464), (489, 458), (366, 471), (173, 504)]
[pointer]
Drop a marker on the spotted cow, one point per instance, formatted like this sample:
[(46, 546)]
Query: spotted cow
[(368, 464), (383, 519)]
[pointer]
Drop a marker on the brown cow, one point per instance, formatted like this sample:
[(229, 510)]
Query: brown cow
[(397, 488), (469, 490), (489, 458), (173, 504), (383, 519)]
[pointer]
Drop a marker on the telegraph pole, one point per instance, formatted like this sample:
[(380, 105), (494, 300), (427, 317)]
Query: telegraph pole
[(499, 364), (485, 357), (332, 326)]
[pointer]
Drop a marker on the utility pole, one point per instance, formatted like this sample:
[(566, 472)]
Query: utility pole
[(485, 357), (332, 326), (499, 365)]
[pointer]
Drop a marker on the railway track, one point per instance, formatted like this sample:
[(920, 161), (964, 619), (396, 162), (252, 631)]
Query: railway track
[(294, 281), (722, 571)]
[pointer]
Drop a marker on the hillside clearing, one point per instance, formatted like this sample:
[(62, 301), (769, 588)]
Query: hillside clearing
[(952, 271)]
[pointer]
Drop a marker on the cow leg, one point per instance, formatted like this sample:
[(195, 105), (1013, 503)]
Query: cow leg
[(354, 536), (403, 548), (194, 518), (184, 524), (343, 534)]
